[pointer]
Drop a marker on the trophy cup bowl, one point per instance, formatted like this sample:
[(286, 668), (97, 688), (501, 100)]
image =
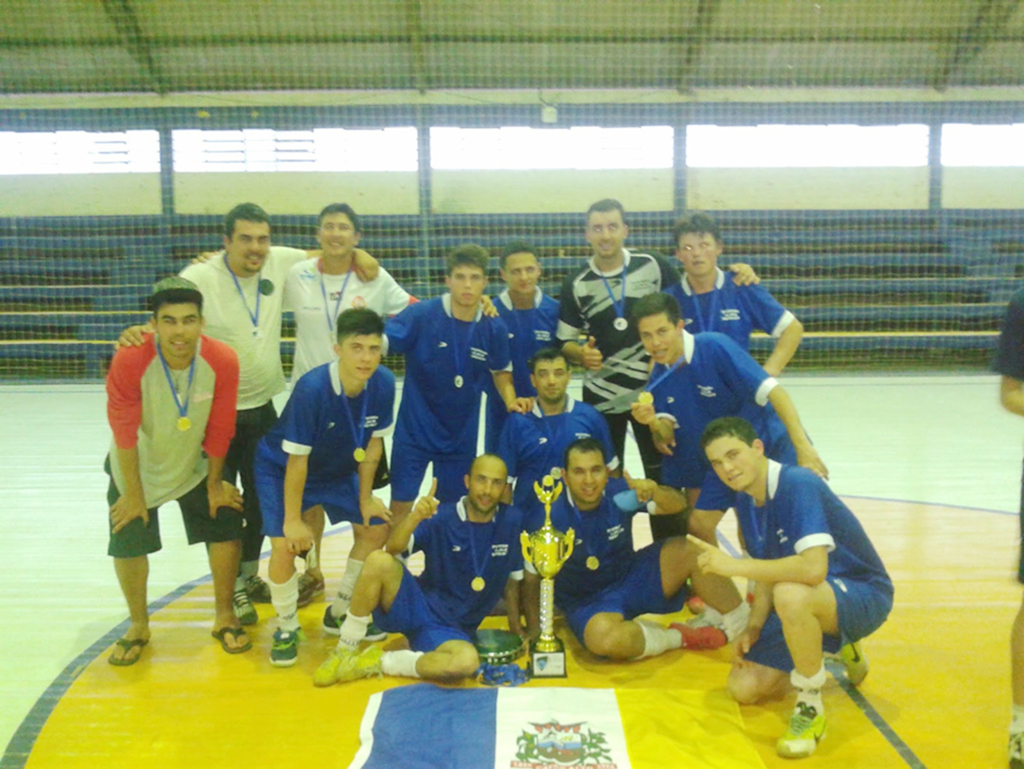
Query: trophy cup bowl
[(547, 549)]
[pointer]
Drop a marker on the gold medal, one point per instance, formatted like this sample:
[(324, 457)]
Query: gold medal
[(477, 584), (645, 398), (359, 454), (593, 563), (184, 423)]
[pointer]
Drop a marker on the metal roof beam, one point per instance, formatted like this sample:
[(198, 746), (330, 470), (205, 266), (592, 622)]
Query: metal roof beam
[(991, 18), (706, 10), (122, 15), (414, 9)]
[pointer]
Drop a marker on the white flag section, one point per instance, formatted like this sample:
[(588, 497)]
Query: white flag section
[(423, 726)]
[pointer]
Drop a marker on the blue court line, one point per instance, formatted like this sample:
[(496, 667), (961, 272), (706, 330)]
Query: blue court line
[(838, 672), (932, 504)]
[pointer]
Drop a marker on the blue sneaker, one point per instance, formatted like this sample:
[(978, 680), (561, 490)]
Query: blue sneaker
[(332, 626), (284, 651)]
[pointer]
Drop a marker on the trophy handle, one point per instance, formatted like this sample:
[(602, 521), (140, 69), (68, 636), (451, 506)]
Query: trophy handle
[(570, 543), (527, 545)]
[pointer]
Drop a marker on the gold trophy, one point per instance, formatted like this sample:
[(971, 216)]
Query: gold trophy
[(547, 549)]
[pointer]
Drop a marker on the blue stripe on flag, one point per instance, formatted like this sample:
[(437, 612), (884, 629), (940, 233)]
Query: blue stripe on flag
[(423, 726)]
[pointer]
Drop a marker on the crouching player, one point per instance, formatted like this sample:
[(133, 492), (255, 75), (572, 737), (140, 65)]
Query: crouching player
[(473, 555), (323, 453), (605, 584), (820, 583)]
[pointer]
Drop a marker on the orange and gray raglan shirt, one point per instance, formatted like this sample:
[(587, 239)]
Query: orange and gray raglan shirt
[(142, 413)]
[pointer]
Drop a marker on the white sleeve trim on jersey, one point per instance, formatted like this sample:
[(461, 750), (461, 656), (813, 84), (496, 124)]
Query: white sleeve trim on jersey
[(296, 449), (614, 464), (784, 322), (499, 370), (814, 540), (761, 396), (516, 575), (511, 480), (567, 333), (384, 343), (384, 431), (669, 417), (529, 568)]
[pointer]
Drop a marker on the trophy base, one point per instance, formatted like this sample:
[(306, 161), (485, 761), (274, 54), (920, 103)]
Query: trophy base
[(547, 664)]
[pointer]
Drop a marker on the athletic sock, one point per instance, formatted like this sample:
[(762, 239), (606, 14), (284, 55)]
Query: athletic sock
[(248, 569), (353, 630), (658, 640), (808, 690), (348, 583), (285, 598), (239, 582), (400, 663), (735, 621), (1017, 719)]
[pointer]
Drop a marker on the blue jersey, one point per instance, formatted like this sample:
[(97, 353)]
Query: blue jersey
[(532, 444), (440, 351), (457, 551), (801, 512), (320, 421), (731, 310), (605, 533), (528, 331), (718, 379)]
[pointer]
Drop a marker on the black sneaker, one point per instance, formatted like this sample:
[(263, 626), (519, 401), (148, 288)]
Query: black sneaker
[(257, 589), (332, 626)]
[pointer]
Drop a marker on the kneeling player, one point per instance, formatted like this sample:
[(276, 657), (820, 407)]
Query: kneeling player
[(323, 453), (473, 555), (820, 582), (605, 584)]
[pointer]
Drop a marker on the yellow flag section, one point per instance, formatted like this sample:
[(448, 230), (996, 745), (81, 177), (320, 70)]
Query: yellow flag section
[(545, 728)]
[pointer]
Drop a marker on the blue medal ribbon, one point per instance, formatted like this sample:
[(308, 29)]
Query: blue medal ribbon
[(182, 407), (254, 317), (478, 570), (668, 372), (620, 306), (712, 310), (455, 345), (358, 433), (332, 321)]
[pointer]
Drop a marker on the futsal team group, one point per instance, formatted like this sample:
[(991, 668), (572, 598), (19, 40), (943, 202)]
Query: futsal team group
[(664, 350)]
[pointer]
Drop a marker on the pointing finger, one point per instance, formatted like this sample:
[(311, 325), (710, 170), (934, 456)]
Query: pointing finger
[(704, 546)]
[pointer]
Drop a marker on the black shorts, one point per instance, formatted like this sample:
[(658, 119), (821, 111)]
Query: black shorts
[(138, 538)]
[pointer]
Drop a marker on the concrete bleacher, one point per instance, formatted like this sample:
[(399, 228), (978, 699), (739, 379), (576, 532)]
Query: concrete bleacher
[(891, 289)]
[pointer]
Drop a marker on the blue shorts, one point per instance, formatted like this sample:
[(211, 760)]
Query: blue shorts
[(639, 592), (715, 495), (338, 497), (862, 608), (413, 617), (409, 464)]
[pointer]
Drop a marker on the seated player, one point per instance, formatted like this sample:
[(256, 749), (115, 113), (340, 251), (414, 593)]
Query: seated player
[(473, 555), (605, 584), (169, 400), (533, 444), (697, 378), (531, 317), (323, 453), (451, 350), (820, 583), (712, 300)]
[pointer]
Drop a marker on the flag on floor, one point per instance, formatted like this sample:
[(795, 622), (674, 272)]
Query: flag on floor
[(423, 726)]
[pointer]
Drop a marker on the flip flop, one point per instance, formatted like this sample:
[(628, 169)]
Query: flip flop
[(127, 644), (234, 632)]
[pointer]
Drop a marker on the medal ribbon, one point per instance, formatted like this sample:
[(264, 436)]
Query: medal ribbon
[(255, 318), (332, 320), (588, 539), (712, 310), (357, 433), (478, 571), (182, 407), (620, 306), (455, 343), (668, 372)]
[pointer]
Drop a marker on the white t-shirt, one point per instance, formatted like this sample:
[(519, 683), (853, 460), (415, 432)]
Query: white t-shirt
[(229, 317), (305, 291)]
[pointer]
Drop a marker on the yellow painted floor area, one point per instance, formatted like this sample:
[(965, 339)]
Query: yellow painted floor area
[(938, 678)]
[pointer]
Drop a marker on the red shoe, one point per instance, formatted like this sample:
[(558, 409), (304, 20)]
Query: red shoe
[(701, 638), (695, 605)]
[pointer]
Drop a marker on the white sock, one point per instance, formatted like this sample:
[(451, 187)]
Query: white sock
[(658, 639), (353, 630), (348, 583), (735, 621), (285, 598), (1017, 719), (401, 663), (809, 689)]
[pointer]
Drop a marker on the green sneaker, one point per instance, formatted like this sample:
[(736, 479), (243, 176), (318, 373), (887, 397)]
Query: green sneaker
[(328, 674), (244, 609), (855, 662), (1017, 751), (365, 664), (284, 651), (806, 728)]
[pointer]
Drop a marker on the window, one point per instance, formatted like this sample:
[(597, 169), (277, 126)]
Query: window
[(581, 147), (983, 145), (318, 150), (79, 152), (806, 146)]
